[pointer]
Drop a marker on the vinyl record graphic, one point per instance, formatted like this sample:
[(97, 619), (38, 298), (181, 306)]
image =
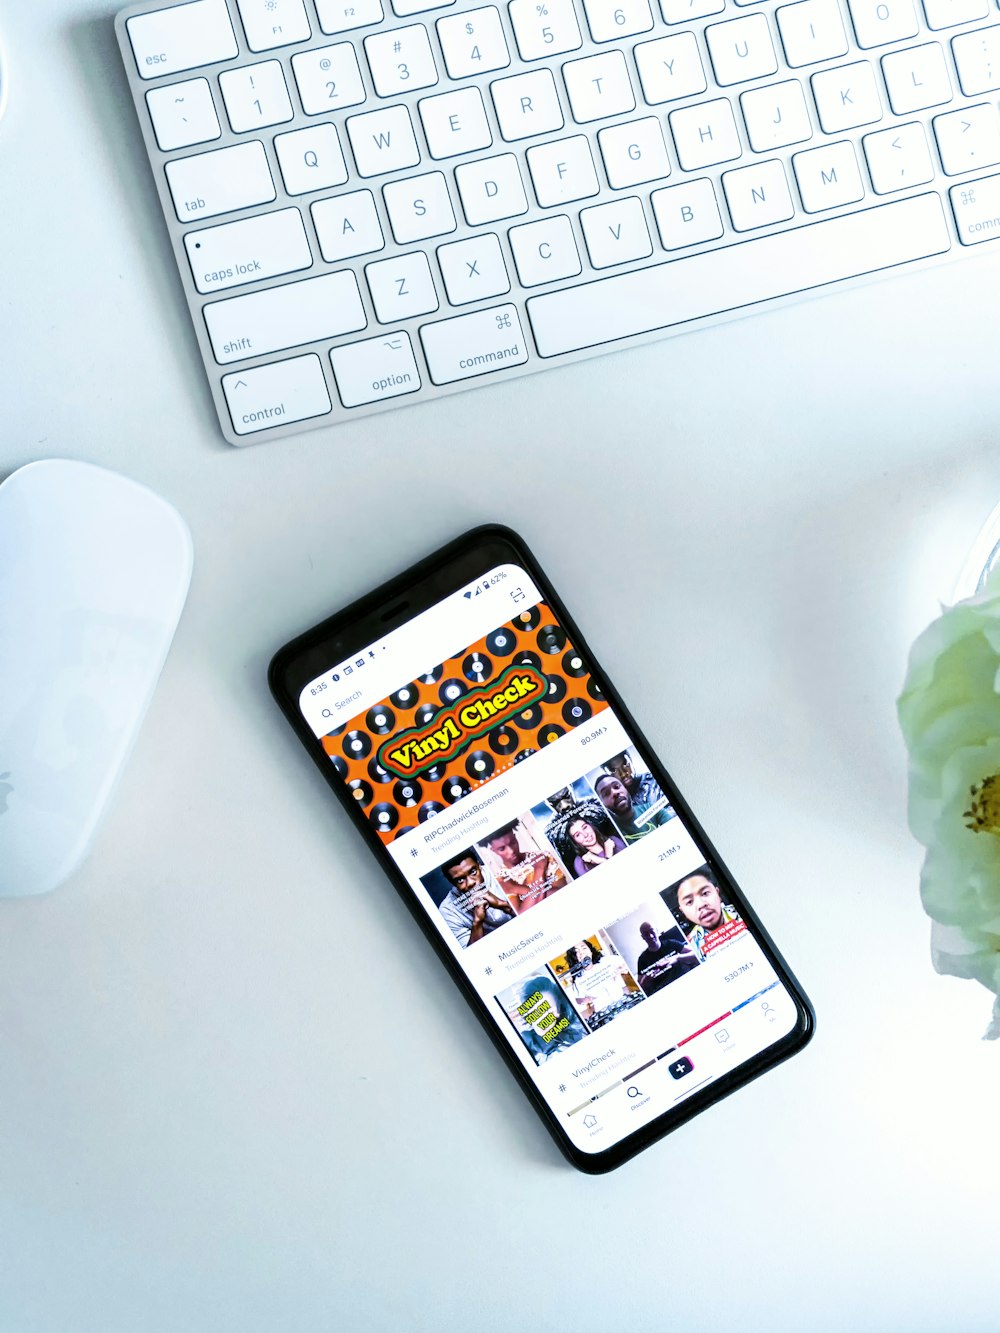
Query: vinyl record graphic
[(527, 620), (480, 765), (360, 791), (502, 642), (549, 733), (556, 691), (384, 816), (406, 792), (339, 765), (576, 712), (455, 788), (425, 714), (380, 720), (407, 697), (357, 745), (377, 773), (528, 717), (428, 810), (477, 667), (450, 690), (573, 664), (551, 639), (503, 740), (430, 677), (594, 690)]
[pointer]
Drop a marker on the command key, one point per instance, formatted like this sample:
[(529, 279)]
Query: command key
[(977, 210), (458, 349)]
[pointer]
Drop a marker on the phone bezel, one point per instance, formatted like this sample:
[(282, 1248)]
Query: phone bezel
[(446, 571)]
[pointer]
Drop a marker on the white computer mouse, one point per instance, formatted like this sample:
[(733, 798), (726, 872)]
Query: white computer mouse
[(94, 572)]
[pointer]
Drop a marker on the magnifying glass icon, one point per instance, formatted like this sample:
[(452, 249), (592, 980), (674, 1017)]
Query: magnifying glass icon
[(310, 159), (327, 712)]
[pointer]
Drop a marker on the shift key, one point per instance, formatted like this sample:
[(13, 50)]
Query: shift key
[(458, 349), (248, 251)]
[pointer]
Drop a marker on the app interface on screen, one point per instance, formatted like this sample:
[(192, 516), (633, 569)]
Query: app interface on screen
[(532, 833)]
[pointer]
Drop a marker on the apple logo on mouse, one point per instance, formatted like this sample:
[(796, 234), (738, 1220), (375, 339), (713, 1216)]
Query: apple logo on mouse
[(5, 790)]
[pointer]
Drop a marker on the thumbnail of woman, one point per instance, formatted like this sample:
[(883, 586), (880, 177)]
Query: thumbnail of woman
[(542, 1016), (584, 837)]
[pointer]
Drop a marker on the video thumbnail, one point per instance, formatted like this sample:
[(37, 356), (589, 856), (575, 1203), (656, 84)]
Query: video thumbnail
[(653, 945), (523, 863), (597, 979), (631, 795), (542, 1016), (470, 902), (709, 922), (579, 828)]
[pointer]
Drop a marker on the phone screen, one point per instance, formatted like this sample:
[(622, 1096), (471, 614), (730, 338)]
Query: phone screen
[(532, 833)]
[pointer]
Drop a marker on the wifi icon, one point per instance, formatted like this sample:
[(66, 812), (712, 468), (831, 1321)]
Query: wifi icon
[(469, 593)]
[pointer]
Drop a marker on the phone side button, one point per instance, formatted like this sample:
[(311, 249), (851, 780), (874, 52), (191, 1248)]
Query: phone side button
[(367, 372), (469, 345)]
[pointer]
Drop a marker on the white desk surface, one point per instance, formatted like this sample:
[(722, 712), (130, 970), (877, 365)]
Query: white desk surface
[(236, 1092)]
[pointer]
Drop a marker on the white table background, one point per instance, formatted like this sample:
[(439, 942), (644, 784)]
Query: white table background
[(236, 1090)]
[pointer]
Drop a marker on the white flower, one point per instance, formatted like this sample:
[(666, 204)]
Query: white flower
[(949, 713)]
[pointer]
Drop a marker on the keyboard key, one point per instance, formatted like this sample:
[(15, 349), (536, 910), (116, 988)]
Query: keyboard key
[(401, 60), (183, 114), (378, 368), (598, 86), (685, 11), (272, 23), (634, 153), (401, 287), (977, 56), (256, 96), (741, 49), (545, 251), (898, 158), (847, 97), (311, 159), (470, 345), (527, 104), (474, 269), (419, 207), (878, 22), (404, 8), (181, 38), (328, 79), (491, 189), (976, 205), (347, 226), (705, 134), (610, 20), (383, 141), (687, 214), (283, 317), (828, 177), (276, 395), (248, 251), (738, 276), (968, 139), (346, 15), (544, 30), (917, 78), (473, 42), (757, 195), (670, 68), (811, 31), (455, 123), (949, 13), (220, 181), (563, 171), (776, 116), (616, 233)]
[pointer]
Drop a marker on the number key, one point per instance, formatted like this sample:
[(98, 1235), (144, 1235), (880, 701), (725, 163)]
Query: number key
[(610, 19), (544, 28), (328, 79), (401, 60), (255, 95), (473, 42)]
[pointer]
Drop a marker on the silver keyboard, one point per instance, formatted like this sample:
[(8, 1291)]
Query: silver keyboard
[(371, 206)]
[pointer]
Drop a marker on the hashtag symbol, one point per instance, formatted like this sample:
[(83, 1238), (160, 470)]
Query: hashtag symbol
[(562, 1087), (489, 971), (413, 851), (397, 47)]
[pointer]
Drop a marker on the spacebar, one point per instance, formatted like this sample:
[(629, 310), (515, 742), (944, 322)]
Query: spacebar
[(720, 281)]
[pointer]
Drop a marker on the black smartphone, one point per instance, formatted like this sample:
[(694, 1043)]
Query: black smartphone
[(541, 847)]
